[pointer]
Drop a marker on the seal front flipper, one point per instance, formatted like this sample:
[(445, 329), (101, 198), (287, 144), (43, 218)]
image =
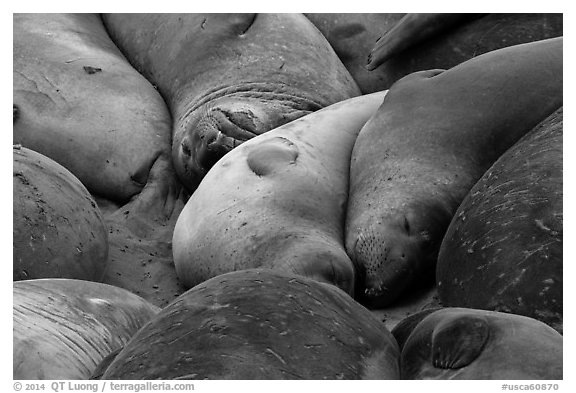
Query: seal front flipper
[(229, 77), (411, 30), (457, 342)]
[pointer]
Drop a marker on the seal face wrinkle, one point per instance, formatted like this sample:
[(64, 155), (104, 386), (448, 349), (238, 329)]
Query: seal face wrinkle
[(228, 77), (277, 201)]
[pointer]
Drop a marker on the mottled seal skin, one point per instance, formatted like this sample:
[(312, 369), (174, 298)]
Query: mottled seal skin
[(503, 249), (433, 137), (229, 77), (58, 229), (78, 101), (462, 343), (464, 37), (260, 324), (63, 328), (352, 36), (277, 201)]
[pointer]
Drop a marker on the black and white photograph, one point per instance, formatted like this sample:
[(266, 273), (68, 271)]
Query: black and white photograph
[(287, 196)]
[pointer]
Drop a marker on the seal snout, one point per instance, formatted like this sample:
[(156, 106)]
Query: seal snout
[(399, 251), (388, 255), (216, 128), (210, 133)]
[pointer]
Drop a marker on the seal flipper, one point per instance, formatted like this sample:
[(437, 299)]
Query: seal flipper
[(404, 328), (271, 156), (457, 342), (412, 30)]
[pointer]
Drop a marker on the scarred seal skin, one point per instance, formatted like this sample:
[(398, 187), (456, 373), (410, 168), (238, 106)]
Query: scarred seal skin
[(277, 201), (503, 249), (260, 324), (63, 328), (428, 41), (58, 229), (433, 137), (462, 343), (78, 101), (230, 77)]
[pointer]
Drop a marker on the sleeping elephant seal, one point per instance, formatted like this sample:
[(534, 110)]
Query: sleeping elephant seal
[(503, 249), (58, 229), (277, 201), (78, 101), (433, 137), (260, 324), (229, 77), (461, 343), (64, 328), (428, 41)]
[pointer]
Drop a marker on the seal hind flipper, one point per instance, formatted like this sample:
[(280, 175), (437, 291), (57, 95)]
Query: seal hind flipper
[(458, 342)]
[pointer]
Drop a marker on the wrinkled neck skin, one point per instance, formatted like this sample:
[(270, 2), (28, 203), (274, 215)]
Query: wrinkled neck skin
[(224, 117), (229, 108), (230, 76)]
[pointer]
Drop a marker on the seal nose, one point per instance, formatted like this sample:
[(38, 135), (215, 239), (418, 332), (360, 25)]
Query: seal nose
[(217, 128), (384, 254)]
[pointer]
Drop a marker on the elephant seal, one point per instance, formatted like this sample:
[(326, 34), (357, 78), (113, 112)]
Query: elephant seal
[(461, 343), (503, 248), (461, 37), (229, 77), (58, 229), (277, 201), (78, 101), (140, 245), (63, 328), (260, 324), (433, 137)]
